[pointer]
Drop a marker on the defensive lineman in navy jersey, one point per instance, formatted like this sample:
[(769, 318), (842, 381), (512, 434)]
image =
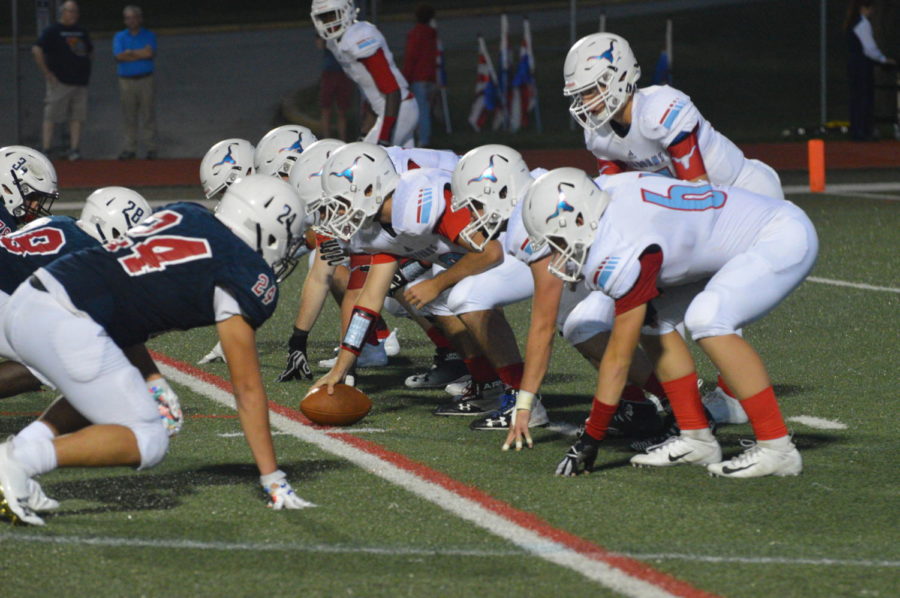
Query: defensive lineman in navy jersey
[(27, 186), (183, 267)]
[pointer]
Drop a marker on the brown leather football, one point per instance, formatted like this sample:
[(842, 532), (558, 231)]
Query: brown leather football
[(346, 406)]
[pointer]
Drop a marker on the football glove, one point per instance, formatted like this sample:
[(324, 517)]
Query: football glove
[(169, 406), (297, 363), (580, 457), (408, 271), (216, 354), (279, 492)]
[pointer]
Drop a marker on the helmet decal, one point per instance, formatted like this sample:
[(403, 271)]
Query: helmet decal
[(562, 205), (228, 159), (297, 146), (487, 173), (608, 54), (347, 173)]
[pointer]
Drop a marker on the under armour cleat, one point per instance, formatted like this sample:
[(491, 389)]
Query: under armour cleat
[(680, 449), (14, 490), (501, 418), (760, 460), (477, 399), (724, 408), (635, 420), (448, 367)]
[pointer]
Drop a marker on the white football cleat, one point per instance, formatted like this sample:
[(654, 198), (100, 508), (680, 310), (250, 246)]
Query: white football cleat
[(14, 490), (503, 417), (760, 460), (371, 356), (216, 354), (458, 387), (392, 344), (447, 367), (37, 500), (724, 409), (676, 450)]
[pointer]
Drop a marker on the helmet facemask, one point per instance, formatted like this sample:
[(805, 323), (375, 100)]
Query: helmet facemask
[(487, 222), (342, 220), (601, 105), (35, 203), (333, 19), (566, 261)]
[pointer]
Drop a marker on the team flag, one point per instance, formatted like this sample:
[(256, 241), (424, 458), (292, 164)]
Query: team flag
[(441, 77), (486, 106), (523, 95), (503, 75)]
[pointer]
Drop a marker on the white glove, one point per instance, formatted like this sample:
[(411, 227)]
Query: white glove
[(215, 354), (280, 493), (168, 404)]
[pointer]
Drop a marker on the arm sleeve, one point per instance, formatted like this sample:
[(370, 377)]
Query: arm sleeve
[(863, 31), (644, 288), (686, 157), (380, 69), (451, 223)]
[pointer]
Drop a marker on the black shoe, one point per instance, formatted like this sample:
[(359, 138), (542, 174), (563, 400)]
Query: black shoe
[(635, 420), (127, 156)]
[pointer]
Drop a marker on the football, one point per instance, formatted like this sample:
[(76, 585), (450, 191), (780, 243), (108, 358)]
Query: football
[(346, 406)]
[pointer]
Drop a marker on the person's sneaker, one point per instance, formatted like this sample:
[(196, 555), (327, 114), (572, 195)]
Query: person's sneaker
[(215, 354), (635, 420), (74, 155), (126, 155), (680, 449), (392, 344), (501, 418), (37, 500), (477, 399), (723, 408), (760, 460), (447, 367), (371, 356), (14, 491)]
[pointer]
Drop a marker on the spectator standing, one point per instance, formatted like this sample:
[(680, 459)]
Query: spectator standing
[(335, 90), (63, 52), (419, 62), (863, 56), (134, 49)]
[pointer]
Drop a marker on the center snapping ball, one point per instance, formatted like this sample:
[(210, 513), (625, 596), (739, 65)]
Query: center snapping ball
[(346, 406)]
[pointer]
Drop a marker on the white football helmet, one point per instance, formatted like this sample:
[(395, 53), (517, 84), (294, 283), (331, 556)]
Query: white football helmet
[(266, 213), (27, 182), (489, 180), (277, 151), (601, 73), (357, 178), (563, 208), (306, 174), (110, 211), (332, 17), (224, 163)]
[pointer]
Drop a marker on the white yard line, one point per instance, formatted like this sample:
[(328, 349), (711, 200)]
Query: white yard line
[(819, 423), (854, 285)]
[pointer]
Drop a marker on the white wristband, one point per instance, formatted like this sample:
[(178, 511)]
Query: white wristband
[(525, 400), (272, 478)]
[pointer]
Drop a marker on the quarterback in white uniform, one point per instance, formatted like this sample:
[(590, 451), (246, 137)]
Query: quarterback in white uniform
[(654, 129), (364, 55), (668, 251)]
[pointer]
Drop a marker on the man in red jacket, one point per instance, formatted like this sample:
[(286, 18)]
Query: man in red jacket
[(419, 62)]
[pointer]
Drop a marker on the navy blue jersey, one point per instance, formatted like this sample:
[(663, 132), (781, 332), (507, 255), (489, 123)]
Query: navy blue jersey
[(163, 273), (41, 242), (8, 222)]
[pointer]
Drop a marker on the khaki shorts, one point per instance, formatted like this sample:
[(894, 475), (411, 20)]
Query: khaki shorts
[(65, 103)]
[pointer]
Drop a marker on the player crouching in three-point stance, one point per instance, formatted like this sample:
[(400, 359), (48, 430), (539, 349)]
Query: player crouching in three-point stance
[(667, 251), (181, 268)]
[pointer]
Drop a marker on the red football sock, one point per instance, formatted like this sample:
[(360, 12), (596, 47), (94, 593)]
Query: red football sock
[(437, 337), (653, 386), (632, 393), (598, 421), (765, 416), (721, 382), (684, 397), (512, 374), (481, 369), (381, 329)]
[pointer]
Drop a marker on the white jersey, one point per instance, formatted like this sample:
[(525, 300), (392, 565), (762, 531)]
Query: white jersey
[(698, 227), (416, 230), (362, 40), (517, 243), (660, 114), (417, 157)]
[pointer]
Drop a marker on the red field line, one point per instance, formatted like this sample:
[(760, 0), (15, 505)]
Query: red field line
[(524, 519)]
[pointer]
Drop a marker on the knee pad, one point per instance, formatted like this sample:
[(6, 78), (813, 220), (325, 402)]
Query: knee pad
[(703, 316), (153, 442)]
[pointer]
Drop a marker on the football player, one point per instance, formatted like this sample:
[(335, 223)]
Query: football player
[(387, 215), (654, 129), (224, 163), (278, 149), (181, 268), (363, 53), (27, 186), (724, 257)]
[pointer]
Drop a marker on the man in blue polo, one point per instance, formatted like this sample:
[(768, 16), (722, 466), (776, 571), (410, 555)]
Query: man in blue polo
[(134, 48)]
